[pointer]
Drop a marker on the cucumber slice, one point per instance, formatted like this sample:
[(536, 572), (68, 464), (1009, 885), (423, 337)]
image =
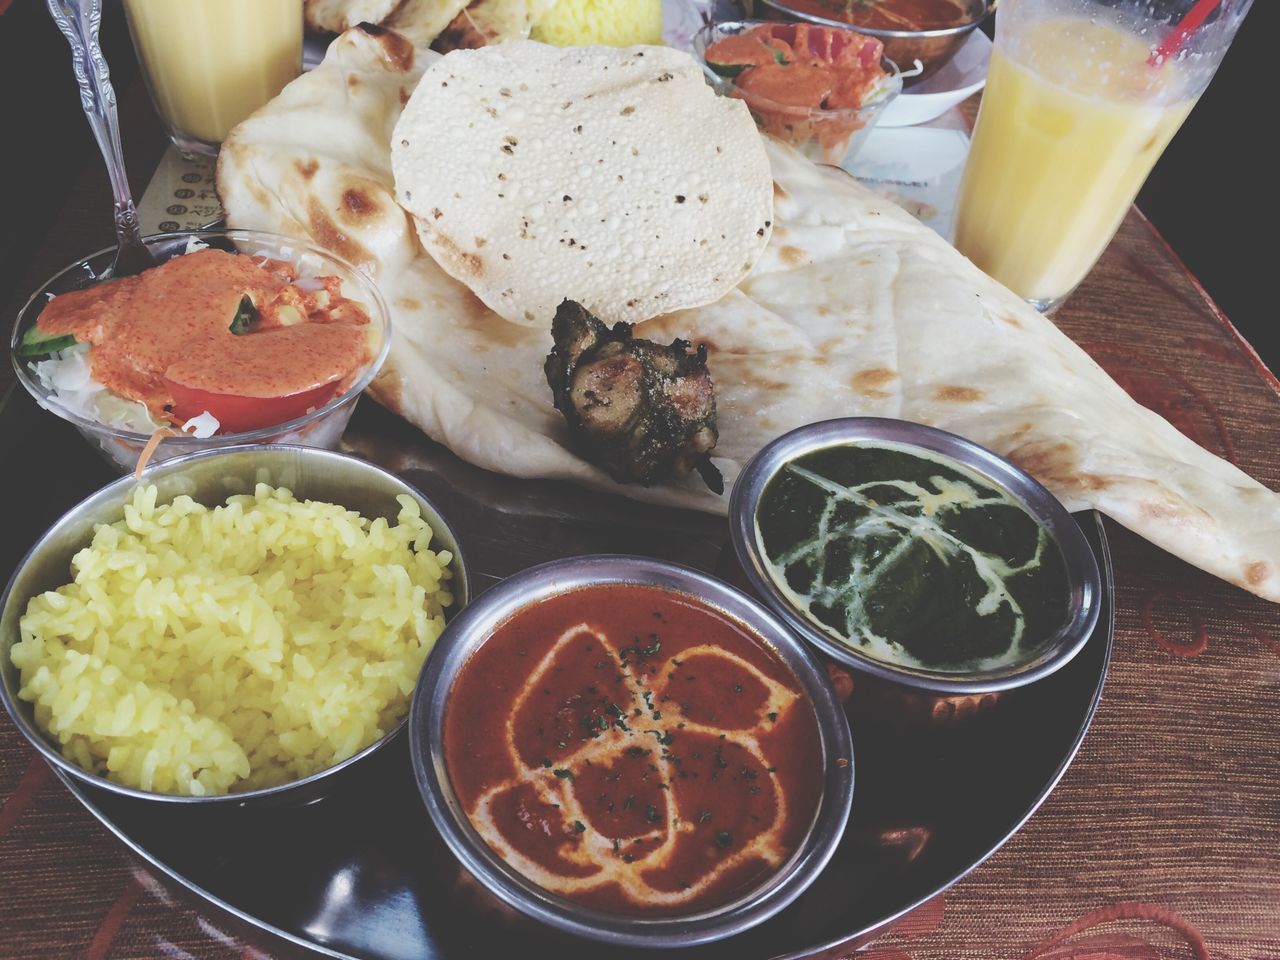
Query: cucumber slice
[(726, 70), (246, 316), (36, 343)]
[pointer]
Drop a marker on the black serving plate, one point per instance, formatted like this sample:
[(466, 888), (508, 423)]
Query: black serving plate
[(361, 872)]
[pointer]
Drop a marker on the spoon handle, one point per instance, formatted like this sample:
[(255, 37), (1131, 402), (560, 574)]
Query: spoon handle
[(79, 21)]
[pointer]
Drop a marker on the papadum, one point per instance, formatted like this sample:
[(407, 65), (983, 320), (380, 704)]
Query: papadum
[(613, 177), (853, 309)]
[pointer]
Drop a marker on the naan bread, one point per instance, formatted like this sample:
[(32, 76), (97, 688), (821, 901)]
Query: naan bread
[(423, 21), (419, 20), (854, 309), (613, 177)]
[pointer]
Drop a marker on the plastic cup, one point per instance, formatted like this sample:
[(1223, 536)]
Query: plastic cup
[(211, 63), (1075, 113)]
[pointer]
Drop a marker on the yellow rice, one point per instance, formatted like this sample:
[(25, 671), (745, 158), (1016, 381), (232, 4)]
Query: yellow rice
[(203, 651), (617, 23)]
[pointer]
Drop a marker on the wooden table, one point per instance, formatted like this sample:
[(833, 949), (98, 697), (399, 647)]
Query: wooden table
[(1170, 815)]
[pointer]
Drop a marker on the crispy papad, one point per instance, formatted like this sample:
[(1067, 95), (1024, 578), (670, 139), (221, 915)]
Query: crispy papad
[(854, 309)]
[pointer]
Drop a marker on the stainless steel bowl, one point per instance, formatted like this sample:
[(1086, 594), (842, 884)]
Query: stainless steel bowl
[(210, 477), (933, 48), (476, 624), (1083, 586)]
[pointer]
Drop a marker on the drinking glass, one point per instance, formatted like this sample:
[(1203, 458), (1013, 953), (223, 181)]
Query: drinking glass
[(211, 63), (1082, 97)]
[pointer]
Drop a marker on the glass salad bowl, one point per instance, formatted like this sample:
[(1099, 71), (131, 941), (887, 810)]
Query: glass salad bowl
[(121, 429)]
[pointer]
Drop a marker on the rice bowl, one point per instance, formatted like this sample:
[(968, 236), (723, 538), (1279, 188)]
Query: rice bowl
[(210, 652)]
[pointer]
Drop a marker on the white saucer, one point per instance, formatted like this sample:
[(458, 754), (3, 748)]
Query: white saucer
[(963, 75)]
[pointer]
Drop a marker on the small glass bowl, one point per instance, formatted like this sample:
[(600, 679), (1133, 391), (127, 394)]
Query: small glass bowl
[(933, 48), (210, 477), (321, 427), (831, 136)]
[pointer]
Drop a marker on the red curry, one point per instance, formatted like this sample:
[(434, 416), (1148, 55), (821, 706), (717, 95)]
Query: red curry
[(889, 14), (170, 338), (633, 750)]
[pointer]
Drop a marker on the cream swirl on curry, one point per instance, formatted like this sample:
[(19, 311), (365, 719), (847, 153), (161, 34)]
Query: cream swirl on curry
[(633, 750)]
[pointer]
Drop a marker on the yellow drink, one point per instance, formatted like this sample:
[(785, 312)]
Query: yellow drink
[(211, 63), (1072, 120)]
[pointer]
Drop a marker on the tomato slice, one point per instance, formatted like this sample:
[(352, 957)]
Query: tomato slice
[(237, 414)]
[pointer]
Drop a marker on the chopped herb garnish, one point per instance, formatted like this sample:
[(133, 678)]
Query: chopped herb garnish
[(737, 688), (564, 774), (651, 813), (626, 804), (704, 816), (546, 762), (723, 839), (579, 826), (773, 715)]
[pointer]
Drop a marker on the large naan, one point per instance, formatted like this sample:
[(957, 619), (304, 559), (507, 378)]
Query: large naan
[(854, 309)]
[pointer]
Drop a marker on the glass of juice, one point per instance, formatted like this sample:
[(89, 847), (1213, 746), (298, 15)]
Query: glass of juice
[(1082, 97), (211, 63)]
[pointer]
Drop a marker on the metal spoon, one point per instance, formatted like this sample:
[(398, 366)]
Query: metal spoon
[(79, 21)]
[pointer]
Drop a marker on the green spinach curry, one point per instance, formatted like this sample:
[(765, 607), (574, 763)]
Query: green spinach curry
[(911, 558)]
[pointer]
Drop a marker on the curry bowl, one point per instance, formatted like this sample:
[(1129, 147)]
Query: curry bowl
[(823, 133), (678, 751), (932, 42), (207, 478), (914, 555), (121, 429)]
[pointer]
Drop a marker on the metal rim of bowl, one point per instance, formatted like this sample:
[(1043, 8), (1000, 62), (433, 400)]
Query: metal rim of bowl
[(473, 627), (1083, 579), (19, 711), (370, 293), (882, 33), (883, 97)]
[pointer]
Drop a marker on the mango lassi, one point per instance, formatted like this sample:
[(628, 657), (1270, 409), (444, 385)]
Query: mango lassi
[(211, 63), (1072, 120)]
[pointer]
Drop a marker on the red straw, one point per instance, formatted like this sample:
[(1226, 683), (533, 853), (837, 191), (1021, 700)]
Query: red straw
[(1178, 36)]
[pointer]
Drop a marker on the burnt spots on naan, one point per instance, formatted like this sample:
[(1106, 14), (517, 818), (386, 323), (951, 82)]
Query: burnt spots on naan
[(306, 168), (872, 382), (792, 256), (952, 393), (396, 49), (329, 235), (358, 206)]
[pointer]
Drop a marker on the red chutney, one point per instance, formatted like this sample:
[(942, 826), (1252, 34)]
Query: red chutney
[(634, 751), (164, 337), (796, 64)]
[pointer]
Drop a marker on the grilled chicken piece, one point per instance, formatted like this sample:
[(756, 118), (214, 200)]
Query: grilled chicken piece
[(644, 412)]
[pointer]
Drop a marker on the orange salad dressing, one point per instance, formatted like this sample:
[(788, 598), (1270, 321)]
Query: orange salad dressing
[(170, 328)]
